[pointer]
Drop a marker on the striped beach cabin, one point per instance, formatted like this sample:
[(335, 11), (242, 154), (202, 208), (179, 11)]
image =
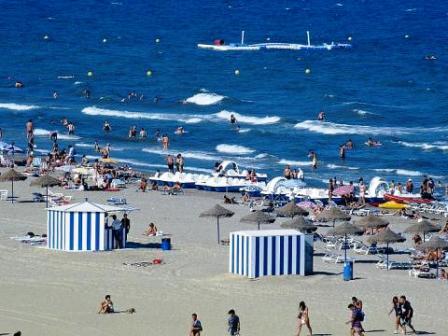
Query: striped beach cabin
[(82, 227), (270, 252)]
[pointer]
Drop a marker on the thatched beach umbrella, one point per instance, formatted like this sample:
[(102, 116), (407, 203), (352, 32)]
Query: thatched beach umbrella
[(332, 214), (423, 227), (345, 229), (217, 212), (46, 181), (299, 223), (372, 222), (291, 209), (258, 217), (12, 175), (435, 244), (387, 236)]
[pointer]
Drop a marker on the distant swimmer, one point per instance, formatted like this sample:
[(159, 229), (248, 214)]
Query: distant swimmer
[(313, 156), (132, 132), (373, 143), (106, 127), (96, 147), (64, 122), (19, 85), (54, 136), (430, 57), (342, 152), (71, 128), (143, 134), (349, 144), (179, 131), (1, 134), (29, 127), (55, 95), (157, 136), (321, 116), (232, 119), (86, 93), (165, 141)]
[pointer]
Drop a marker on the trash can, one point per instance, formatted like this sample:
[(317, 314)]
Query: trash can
[(166, 244), (348, 270)]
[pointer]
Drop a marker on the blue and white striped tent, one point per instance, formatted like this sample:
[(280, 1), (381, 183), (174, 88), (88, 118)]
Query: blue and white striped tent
[(81, 227), (270, 252)]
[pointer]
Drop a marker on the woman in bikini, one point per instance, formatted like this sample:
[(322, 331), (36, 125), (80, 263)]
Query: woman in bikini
[(303, 319)]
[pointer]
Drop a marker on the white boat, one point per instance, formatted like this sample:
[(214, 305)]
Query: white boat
[(186, 180), (219, 45), (226, 184)]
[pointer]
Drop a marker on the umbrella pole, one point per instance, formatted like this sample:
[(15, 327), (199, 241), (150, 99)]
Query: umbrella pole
[(345, 248), (12, 191), (46, 198), (258, 225), (387, 256), (217, 227), (334, 222)]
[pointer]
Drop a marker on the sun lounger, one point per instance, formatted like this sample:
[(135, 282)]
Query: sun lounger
[(116, 201), (422, 273), (334, 258), (3, 195)]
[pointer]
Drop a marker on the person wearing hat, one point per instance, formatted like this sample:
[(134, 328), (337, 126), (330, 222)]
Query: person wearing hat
[(409, 186)]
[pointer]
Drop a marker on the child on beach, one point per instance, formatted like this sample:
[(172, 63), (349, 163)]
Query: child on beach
[(397, 309), (106, 306), (196, 326)]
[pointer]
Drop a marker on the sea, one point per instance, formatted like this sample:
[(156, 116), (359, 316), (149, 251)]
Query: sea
[(382, 87)]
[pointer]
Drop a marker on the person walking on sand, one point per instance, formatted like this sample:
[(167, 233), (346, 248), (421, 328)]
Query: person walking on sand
[(355, 321), (407, 313), (397, 310), (303, 319), (196, 326), (233, 323)]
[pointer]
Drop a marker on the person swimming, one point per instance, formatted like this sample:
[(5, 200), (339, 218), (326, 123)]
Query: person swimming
[(143, 133), (232, 119), (132, 132), (349, 144), (106, 127), (179, 130), (372, 143)]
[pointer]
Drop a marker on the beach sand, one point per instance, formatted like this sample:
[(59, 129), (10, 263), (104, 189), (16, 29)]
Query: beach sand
[(47, 292)]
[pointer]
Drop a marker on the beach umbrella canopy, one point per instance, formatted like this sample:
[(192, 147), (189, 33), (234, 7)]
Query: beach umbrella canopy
[(12, 175), (299, 223), (332, 214), (46, 181), (345, 229), (307, 205), (343, 190), (434, 244), (258, 217), (387, 236), (291, 209), (217, 212), (372, 222), (422, 227)]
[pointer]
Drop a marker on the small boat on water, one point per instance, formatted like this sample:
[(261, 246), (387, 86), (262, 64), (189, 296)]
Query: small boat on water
[(229, 168), (219, 45)]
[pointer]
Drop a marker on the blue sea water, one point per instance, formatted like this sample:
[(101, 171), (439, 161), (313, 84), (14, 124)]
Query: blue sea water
[(382, 87)]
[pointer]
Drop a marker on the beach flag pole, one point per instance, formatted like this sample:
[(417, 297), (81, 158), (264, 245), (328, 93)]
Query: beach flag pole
[(308, 38)]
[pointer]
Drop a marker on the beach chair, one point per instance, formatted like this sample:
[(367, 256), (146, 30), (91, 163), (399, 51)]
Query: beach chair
[(116, 201), (3, 195)]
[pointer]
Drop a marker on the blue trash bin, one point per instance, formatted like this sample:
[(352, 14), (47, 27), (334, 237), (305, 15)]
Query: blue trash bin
[(348, 270), (166, 244)]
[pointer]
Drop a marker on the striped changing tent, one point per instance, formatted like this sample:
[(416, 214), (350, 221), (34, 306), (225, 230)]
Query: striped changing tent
[(79, 230), (270, 252)]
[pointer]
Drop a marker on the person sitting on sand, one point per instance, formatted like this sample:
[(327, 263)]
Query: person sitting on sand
[(417, 239), (229, 200), (106, 306), (143, 185), (151, 230), (443, 275)]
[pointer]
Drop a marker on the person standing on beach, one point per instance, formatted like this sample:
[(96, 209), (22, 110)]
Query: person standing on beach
[(180, 163), (116, 230), (407, 313), (126, 224), (362, 193), (397, 309), (196, 326), (233, 323), (313, 156), (303, 319)]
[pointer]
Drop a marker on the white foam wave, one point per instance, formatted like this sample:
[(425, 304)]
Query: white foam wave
[(17, 107), (334, 166), (331, 128), (77, 83), (83, 145), (363, 112), (204, 99), (193, 120), (294, 163), (248, 119), (245, 130), (404, 172), (233, 149), (425, 146), (40, 132), (187, 154), (66, 77)]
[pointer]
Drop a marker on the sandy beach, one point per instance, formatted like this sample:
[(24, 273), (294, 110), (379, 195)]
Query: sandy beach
[(57, 293)]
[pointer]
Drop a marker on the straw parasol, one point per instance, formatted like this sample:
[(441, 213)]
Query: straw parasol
[(217, 211), (345, 229), (387, 236), (292, 209), (258, 217), (299, 223), (12, 175), (46, 181), (434, 244), (422, 227), (332, 214), (372, 222)]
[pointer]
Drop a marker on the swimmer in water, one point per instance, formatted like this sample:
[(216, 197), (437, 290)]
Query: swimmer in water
[(96, 146), (132, 132), (143, 133), (342, 152), (232, 119), (106, 127), (165, 141), (157, 135), (29, 129), (64, 122), (179, 131), (55, 95), (430, 57), (19, 85), (54, 136), (349, 144), (71, 128), (86, 93), (313, 156), (321, 116), (372, 143)]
